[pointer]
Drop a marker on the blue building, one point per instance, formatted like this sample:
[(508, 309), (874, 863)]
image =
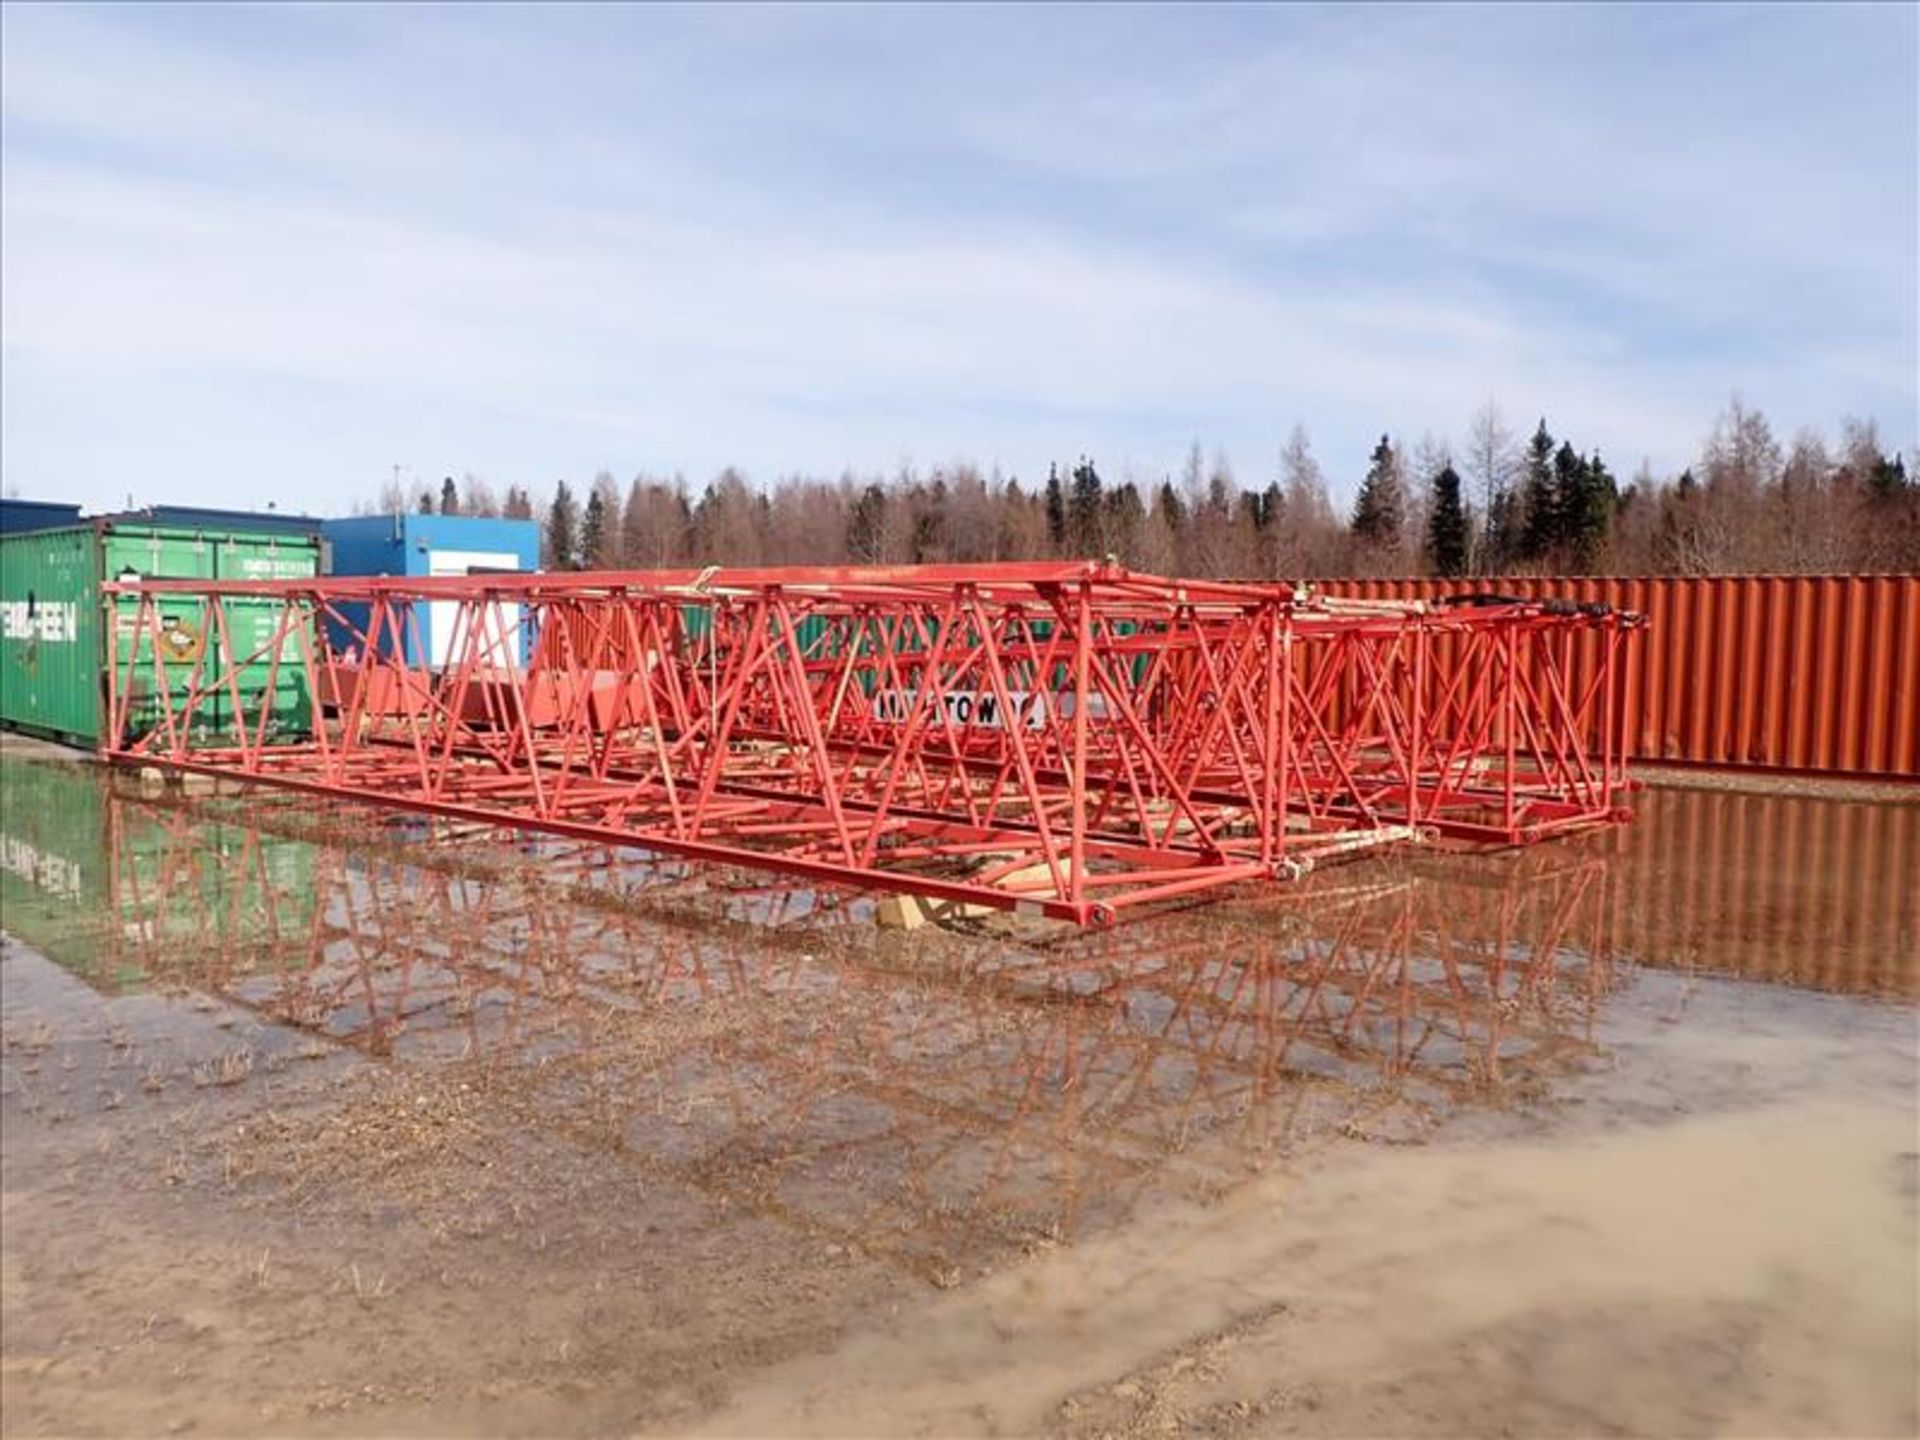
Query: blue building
[(431, 545)]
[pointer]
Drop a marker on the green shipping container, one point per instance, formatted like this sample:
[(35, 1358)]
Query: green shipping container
[(53, 658)]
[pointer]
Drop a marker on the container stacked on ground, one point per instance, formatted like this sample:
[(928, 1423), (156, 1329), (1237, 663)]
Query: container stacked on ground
[(54, 629)]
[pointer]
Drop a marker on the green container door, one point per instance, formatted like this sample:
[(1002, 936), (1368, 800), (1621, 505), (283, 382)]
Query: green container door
[(256, 623), (144, 553), (50, 650), (147, 553)]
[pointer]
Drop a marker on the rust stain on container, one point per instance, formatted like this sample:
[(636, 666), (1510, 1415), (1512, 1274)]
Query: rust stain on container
[(1818, 673)]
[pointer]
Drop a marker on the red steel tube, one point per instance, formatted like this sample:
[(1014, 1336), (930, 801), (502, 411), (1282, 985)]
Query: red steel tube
[(1070, 740)]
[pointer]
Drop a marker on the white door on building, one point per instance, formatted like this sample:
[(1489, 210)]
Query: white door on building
[(443, 615)]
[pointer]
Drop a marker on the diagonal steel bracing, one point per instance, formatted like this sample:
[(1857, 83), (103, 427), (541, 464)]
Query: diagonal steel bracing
[(1066, 739)]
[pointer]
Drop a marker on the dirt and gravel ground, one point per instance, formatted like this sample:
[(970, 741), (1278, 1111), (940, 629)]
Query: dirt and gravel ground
[(315, 1130)]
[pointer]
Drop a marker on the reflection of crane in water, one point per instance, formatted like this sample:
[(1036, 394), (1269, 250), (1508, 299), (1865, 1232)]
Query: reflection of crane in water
[(919, 1096)]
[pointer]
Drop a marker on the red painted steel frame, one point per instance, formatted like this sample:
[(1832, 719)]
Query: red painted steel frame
[(1066, 739)]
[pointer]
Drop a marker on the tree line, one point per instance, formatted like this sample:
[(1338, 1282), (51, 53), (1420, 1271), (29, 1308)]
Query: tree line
[(1501, 503)]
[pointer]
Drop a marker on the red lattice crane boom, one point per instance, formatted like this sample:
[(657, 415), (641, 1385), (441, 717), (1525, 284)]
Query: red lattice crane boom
[(1069, 739)]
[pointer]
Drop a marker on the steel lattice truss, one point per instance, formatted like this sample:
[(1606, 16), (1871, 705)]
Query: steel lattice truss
[(1061, 739)]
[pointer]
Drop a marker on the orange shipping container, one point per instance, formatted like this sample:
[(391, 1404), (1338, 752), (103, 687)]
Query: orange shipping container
[(1791, 672)]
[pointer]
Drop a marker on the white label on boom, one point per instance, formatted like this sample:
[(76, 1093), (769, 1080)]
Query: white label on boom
[(983, 709)]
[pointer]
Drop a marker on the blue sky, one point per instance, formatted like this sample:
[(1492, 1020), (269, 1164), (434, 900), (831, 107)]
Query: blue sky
[(254, 254)]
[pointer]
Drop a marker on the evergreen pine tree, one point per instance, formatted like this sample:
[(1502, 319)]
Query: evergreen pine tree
[(1679, 526), (1084, 515), (562, 546), (1591, 523), (1172, 507), (1267, 545), (1503, 532), (1056, 512), (1125, 520), (1569, 505), (1381, 508), (867, 525), (593, 530), (1888, 478), (449, 497), (927, 504), (1540, 521), (1447, 526)]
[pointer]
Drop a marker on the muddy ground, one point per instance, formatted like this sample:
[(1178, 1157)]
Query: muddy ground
[(315, 1126)]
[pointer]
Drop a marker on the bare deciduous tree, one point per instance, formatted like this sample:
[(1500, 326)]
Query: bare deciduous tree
[(1747, 504), (1492, 465), (1312, 538), (476, 497)]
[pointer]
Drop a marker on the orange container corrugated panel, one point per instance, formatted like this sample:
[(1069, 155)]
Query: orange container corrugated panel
[(1817, 673)]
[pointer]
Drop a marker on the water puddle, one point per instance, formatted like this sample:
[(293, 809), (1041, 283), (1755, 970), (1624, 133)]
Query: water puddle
[(1289, 1161)]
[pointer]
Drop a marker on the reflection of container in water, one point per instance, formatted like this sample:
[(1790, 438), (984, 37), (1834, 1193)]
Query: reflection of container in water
[(1787, 889), (84, 871)]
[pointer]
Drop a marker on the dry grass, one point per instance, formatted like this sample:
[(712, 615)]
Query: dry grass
[(229, 1069), (367, 1292)]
